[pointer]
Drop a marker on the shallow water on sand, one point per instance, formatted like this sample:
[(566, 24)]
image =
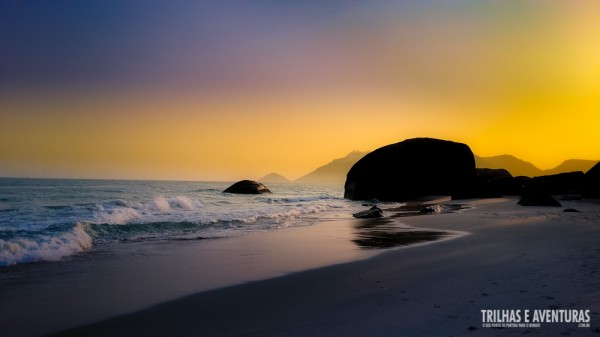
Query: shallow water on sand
[(49, 219), (142, 243)]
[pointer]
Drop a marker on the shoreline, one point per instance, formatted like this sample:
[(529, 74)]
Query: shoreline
[(517, 258), (123, 278)]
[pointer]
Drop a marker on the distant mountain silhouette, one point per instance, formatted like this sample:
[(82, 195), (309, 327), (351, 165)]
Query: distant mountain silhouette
[(512, 164), (274, 178), (333, 172), (572, 165), (518, 167)]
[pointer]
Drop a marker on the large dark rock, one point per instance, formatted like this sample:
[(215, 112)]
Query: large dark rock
[(591, 187), (498, 182), (493, 175), (247, 187), (490, 183), (410, 169), (519, 185), (563, 183)]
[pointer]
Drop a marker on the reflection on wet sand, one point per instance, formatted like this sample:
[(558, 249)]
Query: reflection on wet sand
[(388, 233)]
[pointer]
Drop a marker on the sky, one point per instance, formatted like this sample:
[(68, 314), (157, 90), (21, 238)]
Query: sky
[(228, 90)]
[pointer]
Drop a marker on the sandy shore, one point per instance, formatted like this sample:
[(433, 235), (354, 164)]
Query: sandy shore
[(518, 258)]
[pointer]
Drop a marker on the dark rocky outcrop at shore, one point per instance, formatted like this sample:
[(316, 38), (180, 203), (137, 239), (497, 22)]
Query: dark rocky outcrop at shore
[(373, 212), (563, 183), (335, 171), (591, 187), (490, 183), (247, 187), (410, 169), (495, 183)]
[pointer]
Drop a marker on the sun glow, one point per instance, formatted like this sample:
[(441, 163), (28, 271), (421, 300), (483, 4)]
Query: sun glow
[(520, 78)]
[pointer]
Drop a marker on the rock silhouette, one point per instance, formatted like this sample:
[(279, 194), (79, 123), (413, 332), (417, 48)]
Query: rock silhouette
[(563, 183), (592, 182), (410, 169), (490, 183), (247, 187), (373, 212)]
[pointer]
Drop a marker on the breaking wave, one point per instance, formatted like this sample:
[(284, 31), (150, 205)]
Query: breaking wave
[(56, 230), (44, 247)]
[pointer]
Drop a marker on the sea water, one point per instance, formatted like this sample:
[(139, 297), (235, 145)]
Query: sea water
[(73, 252), (51, 219)]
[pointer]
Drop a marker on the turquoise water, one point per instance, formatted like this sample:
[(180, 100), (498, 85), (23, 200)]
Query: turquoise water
[(50, 219)]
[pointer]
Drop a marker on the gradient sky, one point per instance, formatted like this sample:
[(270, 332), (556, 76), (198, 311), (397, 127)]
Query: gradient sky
[(225, 90)]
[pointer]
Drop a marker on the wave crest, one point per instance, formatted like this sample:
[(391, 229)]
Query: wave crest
[(44, 247)]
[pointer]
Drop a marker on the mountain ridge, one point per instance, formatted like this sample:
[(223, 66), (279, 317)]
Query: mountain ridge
[(519, 167), (274, 178), (335, 171)]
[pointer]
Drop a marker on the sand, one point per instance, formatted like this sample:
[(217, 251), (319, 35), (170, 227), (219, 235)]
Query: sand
[(515, 257)]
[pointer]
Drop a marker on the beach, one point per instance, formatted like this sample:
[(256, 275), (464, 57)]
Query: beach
[(299, 168), (514, 258)]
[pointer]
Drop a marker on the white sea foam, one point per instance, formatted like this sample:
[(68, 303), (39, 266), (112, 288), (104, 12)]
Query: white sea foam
[(45, 247), (136, 212), (161, 204), (184, 203), (115, 215)]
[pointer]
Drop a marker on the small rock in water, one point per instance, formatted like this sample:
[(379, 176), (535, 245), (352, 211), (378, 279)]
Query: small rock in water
[(247, 187), (373, 212), (435, 209)]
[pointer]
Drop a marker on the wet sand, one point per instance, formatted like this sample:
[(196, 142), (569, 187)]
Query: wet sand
[(514, 258), (126, 277)]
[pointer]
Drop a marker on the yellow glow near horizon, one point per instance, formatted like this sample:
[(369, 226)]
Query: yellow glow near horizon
[(501, 83), (238, 137), (190, 138)]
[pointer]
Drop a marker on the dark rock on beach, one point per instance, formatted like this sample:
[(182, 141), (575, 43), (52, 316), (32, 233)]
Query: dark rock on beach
[(563, 183), (539, 200), (498, 182), (493, 183), (519, 185), (493, 175), (373, 212), (247, 187), (411, 169), (432, 209), (591, 187)]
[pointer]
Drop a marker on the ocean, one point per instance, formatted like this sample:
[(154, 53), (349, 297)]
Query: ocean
[(74, 252), (54, 219)]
